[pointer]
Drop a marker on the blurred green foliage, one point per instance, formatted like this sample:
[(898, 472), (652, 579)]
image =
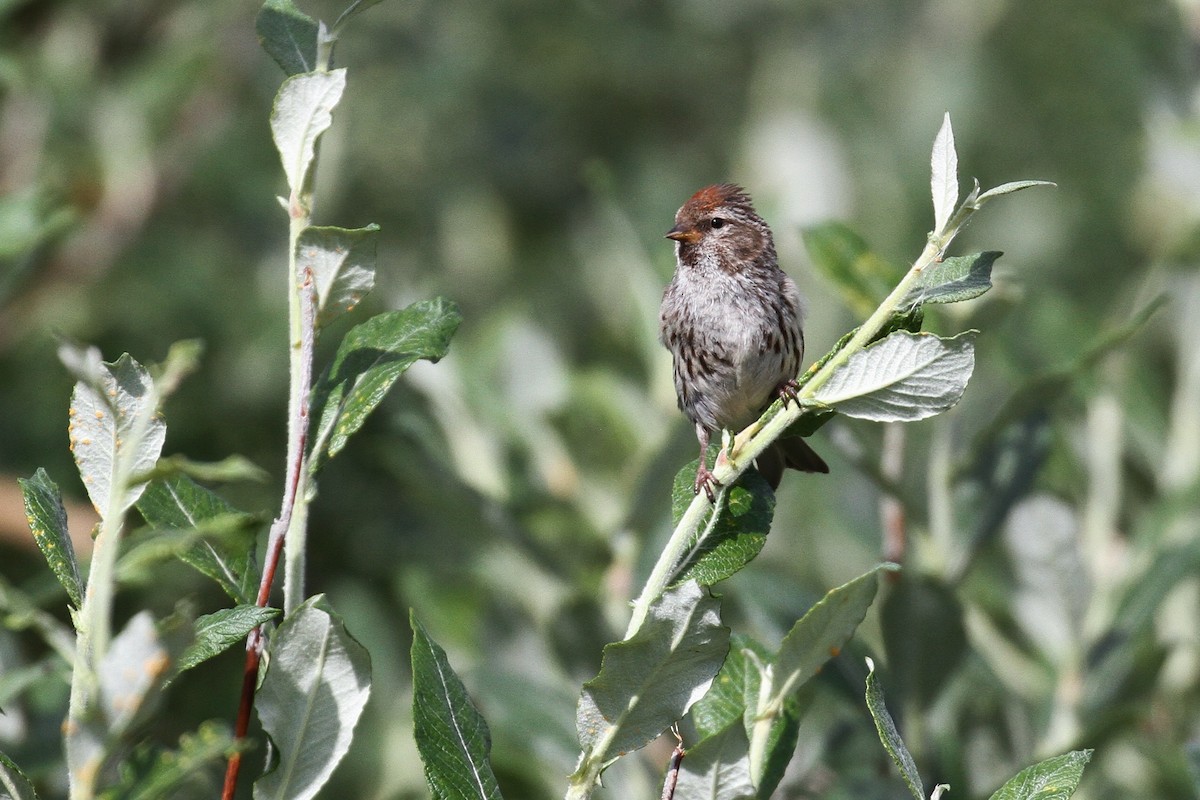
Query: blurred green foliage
[(524, 159)]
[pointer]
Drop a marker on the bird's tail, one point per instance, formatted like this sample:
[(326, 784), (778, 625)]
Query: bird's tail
[(790, 453)]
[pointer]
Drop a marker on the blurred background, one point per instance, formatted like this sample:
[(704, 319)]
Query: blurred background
[(525, 158)]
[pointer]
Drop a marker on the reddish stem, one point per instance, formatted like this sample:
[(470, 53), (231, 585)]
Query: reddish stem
[(275, 540)]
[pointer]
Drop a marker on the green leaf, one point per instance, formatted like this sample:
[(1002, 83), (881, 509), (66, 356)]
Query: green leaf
[(358, 6), (452, 736), (229, 469), (718, 768), (726, 699), (845, 259), (890, 736), (303, 110), (317, 682), (368, 361), (820, 634), (955, 279), (903, 378), (743, 519), (48, 521), (944, 176), (179, 503), (116, 433), (648, 682), (14, 783), (1009, 188), (288, 35), (152, 773), (1053, 779), (343, 266), (220, 630)]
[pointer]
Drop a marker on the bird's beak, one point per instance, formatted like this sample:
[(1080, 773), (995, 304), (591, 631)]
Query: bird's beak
[(685, 235)]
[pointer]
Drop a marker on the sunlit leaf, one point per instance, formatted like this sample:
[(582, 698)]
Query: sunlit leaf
[(718, 768), (303, 111), (1053, 779), (452, 736), (820, 634), (648, 682), (902, 378), (116, 432), (343, 266), (1009, 188), (47, 520), (944, 176), (14, 783), (317, 683)]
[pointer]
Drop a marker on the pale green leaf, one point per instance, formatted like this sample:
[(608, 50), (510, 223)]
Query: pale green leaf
[(303, 110), (47, 518), (905, 377), (342, 262), (1009, 188), (451, 734), (116, 432), (820, 634), (944, 175), (317, 683), (132, 672), (1053, 779), (718, 768), (648, 682)]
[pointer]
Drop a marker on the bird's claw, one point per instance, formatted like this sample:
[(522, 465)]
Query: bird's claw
[(707, 481), (787, 392)]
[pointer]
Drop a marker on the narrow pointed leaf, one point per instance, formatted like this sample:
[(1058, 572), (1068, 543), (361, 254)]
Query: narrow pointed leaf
[(48, 521), (890, 737), (317, 683), (944, 175), (902, 378), (955, 279), (220, 630), (821, 633), (369, 360), (726, 699), (738, 534), (303, 111), (452, 736), (116, 432), (1053, 779), (288, 35), (1009, 188), (357, 7), (343, 266), (179, 503), (648, 682), (13, 782), (718, 768)]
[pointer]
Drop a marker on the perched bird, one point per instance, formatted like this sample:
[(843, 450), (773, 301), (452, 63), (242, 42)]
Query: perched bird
[(733, 321)]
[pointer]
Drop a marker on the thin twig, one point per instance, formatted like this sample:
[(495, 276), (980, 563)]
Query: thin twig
[(668, 792)]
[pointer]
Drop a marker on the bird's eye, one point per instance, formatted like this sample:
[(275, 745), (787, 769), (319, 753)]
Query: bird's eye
[(717, 222)]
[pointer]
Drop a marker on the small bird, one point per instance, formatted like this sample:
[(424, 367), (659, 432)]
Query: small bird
[(733, 321)]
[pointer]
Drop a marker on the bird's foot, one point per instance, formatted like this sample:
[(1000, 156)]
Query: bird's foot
[(707, 481), (787, 392)]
